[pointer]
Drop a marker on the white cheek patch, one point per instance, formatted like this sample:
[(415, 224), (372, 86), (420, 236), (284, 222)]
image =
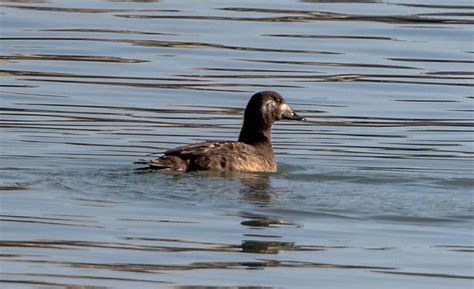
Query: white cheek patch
[(286, 108), (268, 110), (269, 106)]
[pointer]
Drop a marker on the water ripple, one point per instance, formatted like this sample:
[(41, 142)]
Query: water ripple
[(380, 172)]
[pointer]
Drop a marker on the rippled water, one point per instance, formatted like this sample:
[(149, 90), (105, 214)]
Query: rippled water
[(374, 191)]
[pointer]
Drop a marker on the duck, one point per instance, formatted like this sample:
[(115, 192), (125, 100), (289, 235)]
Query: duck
[(252, 152)]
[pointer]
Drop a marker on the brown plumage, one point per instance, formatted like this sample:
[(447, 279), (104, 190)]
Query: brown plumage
[(252, 152)]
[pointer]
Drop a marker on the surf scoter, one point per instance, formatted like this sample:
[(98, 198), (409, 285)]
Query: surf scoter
[(252, 152)]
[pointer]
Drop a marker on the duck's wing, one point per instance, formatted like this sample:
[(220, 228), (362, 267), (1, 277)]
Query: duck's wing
[(212, 155), (190, 157), (196, 148)]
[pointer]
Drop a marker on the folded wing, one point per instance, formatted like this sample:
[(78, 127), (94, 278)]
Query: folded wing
[(215, 156)]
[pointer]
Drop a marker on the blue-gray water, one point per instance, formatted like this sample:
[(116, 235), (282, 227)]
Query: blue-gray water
[(374, 191)]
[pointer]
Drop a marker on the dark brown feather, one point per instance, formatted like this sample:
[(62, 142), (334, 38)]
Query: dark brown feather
[(253, 151), (217, 156)]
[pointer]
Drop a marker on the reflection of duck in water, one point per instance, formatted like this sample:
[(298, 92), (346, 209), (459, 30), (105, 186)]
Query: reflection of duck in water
[(252, 152)]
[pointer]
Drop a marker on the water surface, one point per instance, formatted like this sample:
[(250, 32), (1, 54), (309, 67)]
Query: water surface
[(374, 191)]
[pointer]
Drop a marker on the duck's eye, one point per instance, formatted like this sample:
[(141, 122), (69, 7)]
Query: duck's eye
[(277, 100)]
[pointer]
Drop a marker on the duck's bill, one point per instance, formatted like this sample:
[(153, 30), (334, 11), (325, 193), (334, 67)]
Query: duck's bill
[(298, 117), (294, 116), (289, 113)]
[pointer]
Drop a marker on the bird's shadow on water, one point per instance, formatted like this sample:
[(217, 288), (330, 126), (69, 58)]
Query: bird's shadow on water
[(212, 187)]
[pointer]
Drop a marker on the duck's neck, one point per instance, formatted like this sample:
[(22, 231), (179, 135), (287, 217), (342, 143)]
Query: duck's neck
[(257, 133)]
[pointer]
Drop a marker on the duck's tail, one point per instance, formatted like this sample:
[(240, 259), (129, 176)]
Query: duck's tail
[(165, 163), (141, 162)]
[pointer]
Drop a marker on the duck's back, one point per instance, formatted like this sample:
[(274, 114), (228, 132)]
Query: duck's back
[(218, 156)]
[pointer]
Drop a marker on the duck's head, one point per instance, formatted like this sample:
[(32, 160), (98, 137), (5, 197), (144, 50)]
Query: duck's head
[(270, 106), (263, 109)]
